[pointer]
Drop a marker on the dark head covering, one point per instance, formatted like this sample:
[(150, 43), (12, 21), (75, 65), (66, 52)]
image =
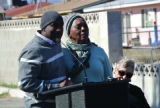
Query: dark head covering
[(49, 17), (70, 21)]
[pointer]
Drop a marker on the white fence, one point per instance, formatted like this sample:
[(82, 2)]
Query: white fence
[(146, 76)]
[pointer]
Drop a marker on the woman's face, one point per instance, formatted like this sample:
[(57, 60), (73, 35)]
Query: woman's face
[(79, 31)]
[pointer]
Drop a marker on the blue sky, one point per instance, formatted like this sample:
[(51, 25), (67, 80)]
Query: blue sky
[(50, 1)]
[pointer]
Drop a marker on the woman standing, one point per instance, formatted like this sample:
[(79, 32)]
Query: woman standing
[(82, 57)]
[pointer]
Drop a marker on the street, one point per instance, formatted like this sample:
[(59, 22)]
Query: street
[(10, 102)]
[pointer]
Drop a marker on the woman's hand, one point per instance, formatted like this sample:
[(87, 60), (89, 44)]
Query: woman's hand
[(63, 83), (66, 82)]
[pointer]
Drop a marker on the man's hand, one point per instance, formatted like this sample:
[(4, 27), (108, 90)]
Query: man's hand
[(63, 83)]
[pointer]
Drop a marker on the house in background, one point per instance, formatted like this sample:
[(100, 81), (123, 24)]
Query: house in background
[(9, 4), (63, 8), (1, 14), (16, 12), (138, 17), (6, 4)]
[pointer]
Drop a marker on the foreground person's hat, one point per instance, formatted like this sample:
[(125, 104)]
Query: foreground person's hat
[(49, 17)]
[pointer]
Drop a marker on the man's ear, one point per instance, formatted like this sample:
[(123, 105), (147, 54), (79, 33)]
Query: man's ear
[(43, 32), (43, 29)]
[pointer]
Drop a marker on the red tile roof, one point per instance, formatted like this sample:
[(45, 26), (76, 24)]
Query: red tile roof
[(26, 8)]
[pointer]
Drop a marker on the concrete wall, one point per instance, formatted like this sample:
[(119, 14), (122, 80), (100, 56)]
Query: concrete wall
[(114, 36), (105, 31), (14, 35)]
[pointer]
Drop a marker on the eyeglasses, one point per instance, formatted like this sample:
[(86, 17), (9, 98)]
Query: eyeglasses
[(122, 73)]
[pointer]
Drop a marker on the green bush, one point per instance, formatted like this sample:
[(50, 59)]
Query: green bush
[(4, 95), (9, 85)]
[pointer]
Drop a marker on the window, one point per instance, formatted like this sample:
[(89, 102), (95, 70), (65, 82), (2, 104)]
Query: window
[(126, 25), (126, 20), (148, 17)]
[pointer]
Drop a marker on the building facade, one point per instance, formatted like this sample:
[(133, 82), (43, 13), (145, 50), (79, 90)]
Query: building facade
[(140, 20)]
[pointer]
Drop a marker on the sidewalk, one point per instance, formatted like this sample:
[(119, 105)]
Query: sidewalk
[(16, 93)]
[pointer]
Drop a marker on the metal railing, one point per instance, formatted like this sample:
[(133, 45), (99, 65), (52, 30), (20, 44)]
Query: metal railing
[(141, 46)]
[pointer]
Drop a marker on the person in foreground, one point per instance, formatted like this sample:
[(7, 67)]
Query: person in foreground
[(85, 61), (124, 71), (41, 63)]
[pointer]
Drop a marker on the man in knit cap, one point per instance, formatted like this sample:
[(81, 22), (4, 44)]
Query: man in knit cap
[(41, 63)]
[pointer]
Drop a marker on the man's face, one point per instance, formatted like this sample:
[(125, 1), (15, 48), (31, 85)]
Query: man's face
[(54, 31), (123, 73), (79, 31)]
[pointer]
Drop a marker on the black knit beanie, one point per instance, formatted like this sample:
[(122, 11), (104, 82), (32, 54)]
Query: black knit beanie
[(70, 21), (49, 17)]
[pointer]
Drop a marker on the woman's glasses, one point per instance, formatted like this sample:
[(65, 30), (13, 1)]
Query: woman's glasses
[(122, 73)]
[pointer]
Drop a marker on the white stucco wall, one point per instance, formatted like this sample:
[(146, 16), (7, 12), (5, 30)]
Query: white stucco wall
[(14, 35)]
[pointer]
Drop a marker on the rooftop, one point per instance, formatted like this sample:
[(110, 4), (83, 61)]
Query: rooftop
[(61, 7), (26, 8)]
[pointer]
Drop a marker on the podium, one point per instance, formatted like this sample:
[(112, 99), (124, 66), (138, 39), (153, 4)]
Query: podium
[(108, 94)]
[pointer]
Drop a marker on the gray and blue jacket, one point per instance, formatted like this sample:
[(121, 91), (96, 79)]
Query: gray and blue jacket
[(41, 68)]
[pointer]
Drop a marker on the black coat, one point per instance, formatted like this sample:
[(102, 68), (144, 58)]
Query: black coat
[(137, 98)]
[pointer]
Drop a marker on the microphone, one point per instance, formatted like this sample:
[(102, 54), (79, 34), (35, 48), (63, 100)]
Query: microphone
[(81, 64)]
